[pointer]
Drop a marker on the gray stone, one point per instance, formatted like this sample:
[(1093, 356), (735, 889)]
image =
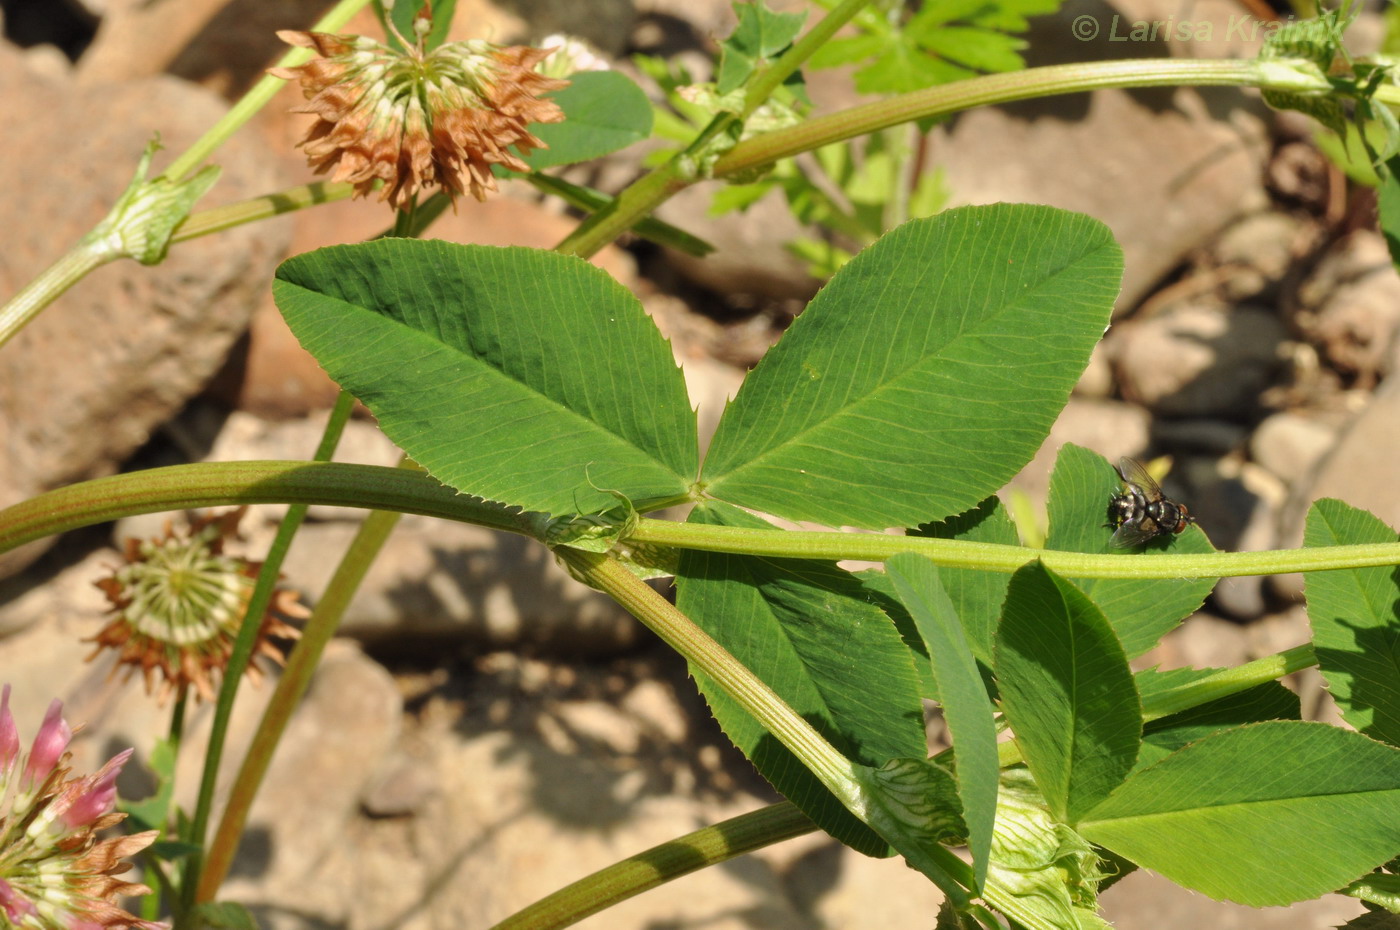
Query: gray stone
[(1359, 469), (1109, 427), (1199, 359), (1165, 168), (87, 382), (1253, 255), (1289, 444), (1352, 307), (1243, 597), (438, 585)]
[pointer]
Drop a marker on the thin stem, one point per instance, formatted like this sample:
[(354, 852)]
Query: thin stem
[(257, 97), (260, 208), (1229, 681), (292, 684), (75, 264), (1213, 687), (992, 89), (763, 85), (622, 880), (805, 544), (242, 653), (643, 196)]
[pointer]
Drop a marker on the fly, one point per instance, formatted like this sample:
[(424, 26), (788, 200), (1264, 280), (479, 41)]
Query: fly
[(1141, 512)]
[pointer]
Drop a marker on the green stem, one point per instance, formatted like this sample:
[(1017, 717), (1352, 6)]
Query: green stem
[(185, 487), (622, 880), (257, 97), (182, 487), (643, 196), (770, 79), (239, 658), (75, 264), (260, 208), (1229, 681), (1213, 687), (992, 89), (680, 633), (840, 776), (292, 684), (993, 557)]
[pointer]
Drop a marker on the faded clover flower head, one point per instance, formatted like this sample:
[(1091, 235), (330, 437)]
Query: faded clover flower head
[(419, 119), (55, 874), (177, 605)]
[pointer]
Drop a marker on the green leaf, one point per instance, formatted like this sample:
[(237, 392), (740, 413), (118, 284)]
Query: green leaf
[(1379, 888), (1356, 630), (977, 596), (1141, 611), (1043, 874), (1376, 920), (1266, 814), (807, 629), (604, 111), (1162, 737), (925, 375), (517, 375), (879, 590), (966, 707), (761, 35), (1067, 692), (226, 915), (914, 805), (443, 11), (153, 812)]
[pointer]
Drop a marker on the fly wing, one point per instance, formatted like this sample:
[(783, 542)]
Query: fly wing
[(1133, 534), (1133, 473)]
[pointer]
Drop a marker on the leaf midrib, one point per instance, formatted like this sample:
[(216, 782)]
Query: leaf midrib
[(797, 438), (469, 359)]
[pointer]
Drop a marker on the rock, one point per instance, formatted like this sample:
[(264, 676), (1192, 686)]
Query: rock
[(1243, 597), (438, 585), (1111, 428), (85, 384), (1359, 469), (1254, 254), (751, 259), (1289, 444), (1199, 359), (1215, 437), (334, 748), (1165, 169), (1352, 306)]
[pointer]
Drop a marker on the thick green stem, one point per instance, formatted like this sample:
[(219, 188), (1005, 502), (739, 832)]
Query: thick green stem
[(185, 487), (247, 638), (622, 880), (993, 89), (180, 487), (256, 98), (680, 633), (292, 684)]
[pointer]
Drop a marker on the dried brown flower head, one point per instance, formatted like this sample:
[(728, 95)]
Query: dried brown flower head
[(419, 119), (178, 603)]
